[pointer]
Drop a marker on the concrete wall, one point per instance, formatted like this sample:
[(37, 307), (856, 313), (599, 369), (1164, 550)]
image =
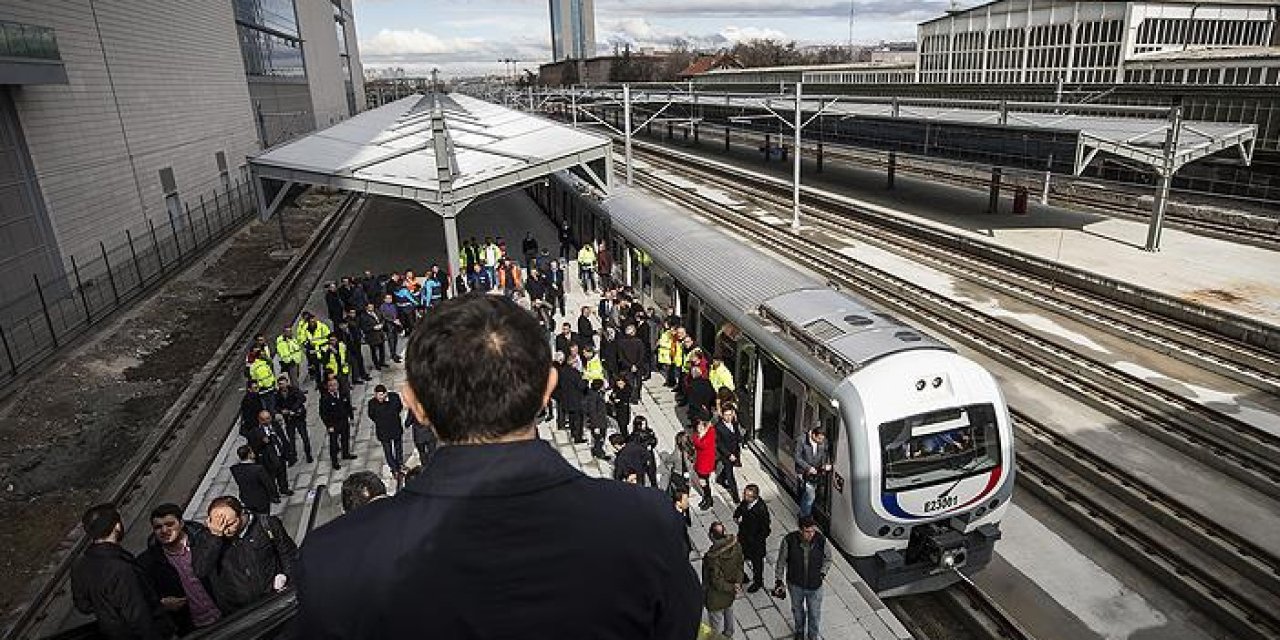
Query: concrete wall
[(320, 51), (353, 49), (150, 85)]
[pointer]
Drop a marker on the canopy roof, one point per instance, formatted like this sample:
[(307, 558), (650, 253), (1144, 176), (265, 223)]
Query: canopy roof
[(441, 150)]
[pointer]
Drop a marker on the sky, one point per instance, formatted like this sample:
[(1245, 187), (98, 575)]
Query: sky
[(469, 37)]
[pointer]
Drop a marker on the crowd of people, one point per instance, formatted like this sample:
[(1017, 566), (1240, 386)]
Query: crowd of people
[(482, 464)]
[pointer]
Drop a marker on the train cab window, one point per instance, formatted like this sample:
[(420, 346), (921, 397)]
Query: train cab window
[(770, 406), (939, 446)]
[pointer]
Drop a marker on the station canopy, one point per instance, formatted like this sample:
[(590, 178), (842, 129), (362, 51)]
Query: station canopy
[(443, 151)]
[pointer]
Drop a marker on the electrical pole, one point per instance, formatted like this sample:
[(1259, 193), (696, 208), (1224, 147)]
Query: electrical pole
[(795, 186)]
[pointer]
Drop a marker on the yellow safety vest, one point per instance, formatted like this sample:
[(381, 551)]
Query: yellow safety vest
[(262, 375), (318, 339), (721, 377), (586, 256), (594, 370), (336, 363), (688, 360), (289, 350), (664, 347), (677, 352)]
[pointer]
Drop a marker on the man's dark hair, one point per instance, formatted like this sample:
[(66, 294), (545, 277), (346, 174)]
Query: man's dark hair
[(818, 430), (360, 488), (617, 439), (227, 501), (717, 531), (597, 384), (244, 452), (479, 366), (99, 520), (808, 521), (166, 510)]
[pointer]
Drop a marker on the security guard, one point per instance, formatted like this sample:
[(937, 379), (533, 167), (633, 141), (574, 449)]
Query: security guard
[(594, 369), (720, 376), (261, 375), (313, 334), (587, 267), (666, 340), (290, 353), (336, 362)]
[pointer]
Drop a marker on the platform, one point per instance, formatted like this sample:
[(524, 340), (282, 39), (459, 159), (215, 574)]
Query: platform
[(1235, 278)]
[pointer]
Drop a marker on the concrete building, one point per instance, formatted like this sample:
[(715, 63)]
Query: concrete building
[(573, 29), (114, 115)]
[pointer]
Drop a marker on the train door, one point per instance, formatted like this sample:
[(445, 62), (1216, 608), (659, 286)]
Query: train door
[(770, 403), (690, 309), (744, 376), (832, 485), (791, 425)]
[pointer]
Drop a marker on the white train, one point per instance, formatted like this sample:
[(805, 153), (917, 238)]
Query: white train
[(920, 436)]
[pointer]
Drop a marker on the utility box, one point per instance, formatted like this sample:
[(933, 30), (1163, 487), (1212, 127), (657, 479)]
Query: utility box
[(1020, 201)]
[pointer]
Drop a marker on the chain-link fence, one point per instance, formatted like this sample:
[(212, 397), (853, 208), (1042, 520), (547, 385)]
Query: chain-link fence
[(54, 312)]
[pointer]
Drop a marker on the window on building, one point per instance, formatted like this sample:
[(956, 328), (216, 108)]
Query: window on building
[(172, 201), (223, 173)]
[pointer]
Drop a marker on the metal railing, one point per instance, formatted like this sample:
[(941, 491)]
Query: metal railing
[(54, 311), (19, 40)]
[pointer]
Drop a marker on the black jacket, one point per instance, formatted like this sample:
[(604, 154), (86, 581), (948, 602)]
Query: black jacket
[(570, 389), (571, 557), (372, 326), (165, 578), (293, 405), (108, 583), (631, 353), (728, 441), (633, 457), (563, 342), (257, 489), (422, 434), (586, 331), (268, 445), (753, 528), (335, 411), (334, 305), (701, 394), (386, 417), (241, 568), (594, 407)]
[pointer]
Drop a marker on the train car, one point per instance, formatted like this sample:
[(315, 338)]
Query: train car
[(920, 436)]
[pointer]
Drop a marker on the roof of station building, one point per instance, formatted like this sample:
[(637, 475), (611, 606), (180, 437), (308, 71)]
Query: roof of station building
[(392, 151)]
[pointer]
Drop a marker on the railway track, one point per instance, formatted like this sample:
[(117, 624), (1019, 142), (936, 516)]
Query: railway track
[(1202, 346), (1219, 440), (1233, 581), (188, 422)]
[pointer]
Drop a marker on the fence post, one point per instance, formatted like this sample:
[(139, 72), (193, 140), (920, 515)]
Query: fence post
[(137, 266), (44, 306), (88, 315), (177, 242), (110, 276), (208, 230), (8, 352), (156, 243), (195, 242)]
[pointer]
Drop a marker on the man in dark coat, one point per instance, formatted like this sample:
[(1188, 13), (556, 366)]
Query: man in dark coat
[(752, 516), (487, 541), (631, 459), (701, 395), (108, 583), (336, 413), (269, 449), (249, 556), (375, 335), (169, 563), (257, 487), (569, 394), (586, 330), (291, 402), (333, 302), (593, 407), (385, 409), (565, 339), (632, 357), (424, 437), (728, 448)]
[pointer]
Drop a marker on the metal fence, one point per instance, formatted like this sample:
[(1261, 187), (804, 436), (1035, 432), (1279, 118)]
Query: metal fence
[(53, 312)]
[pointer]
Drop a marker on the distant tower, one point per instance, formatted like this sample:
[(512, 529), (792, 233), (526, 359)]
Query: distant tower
[(573, 29)]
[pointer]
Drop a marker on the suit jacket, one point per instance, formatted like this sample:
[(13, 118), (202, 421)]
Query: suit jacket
[(257, 489), (753, 528), (502, 541), (336, 411), (570, 388), (806, 457)]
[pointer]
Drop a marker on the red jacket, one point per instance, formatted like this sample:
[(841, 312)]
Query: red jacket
[(704, 446)]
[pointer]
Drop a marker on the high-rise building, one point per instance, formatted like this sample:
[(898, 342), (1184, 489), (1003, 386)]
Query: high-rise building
[(114, 115), (573, 29)]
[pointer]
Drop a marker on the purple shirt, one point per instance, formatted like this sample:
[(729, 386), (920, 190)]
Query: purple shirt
[(203, 610)]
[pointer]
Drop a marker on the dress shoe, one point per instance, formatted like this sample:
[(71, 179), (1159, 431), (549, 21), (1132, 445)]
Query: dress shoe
[(754, 588), (705, 504), (275, 500), (310, 460), (348, 457), (336, 466), (287, 492)]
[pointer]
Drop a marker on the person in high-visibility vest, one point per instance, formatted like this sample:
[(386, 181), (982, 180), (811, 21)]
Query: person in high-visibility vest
[(666, 340), (336, 362), (261, 375), (587, 267), (313, 334), (290, 353), (677, 356), (720, 376), (490, 254), (594, 368)]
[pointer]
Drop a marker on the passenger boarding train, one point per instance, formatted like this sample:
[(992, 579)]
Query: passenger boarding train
[(920, 436)]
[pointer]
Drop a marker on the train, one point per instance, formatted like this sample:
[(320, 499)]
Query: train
[(920, 436)]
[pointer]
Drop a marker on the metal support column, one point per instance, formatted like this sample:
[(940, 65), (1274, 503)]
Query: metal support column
[(573, 105), (1165, 173), (1048, 177), (626, 130), (795, 179), (819, 157), (993, 199), (451, 245), (893, 167)]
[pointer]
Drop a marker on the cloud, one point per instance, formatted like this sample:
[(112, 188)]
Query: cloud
[(879, 9), (639, 32), (399, 42)]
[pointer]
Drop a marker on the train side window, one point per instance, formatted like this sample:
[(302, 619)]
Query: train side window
[(770, 406), (664, 287)]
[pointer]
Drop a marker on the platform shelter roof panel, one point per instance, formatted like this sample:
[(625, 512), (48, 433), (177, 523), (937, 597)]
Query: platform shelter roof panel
[(391, 151)]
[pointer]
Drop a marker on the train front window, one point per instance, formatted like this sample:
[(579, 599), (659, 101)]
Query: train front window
[(939, 446)]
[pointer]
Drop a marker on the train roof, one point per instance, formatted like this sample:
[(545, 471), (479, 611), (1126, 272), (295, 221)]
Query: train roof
[(727, 272)]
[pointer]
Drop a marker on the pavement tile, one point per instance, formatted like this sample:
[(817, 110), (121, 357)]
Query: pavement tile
[(778, 626)]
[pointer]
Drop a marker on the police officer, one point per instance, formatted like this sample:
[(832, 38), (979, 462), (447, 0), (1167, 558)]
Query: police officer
[(314, 336), (290, 353), (587, 268)]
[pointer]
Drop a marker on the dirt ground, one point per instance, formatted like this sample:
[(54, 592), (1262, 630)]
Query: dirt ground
[(78, 425)]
